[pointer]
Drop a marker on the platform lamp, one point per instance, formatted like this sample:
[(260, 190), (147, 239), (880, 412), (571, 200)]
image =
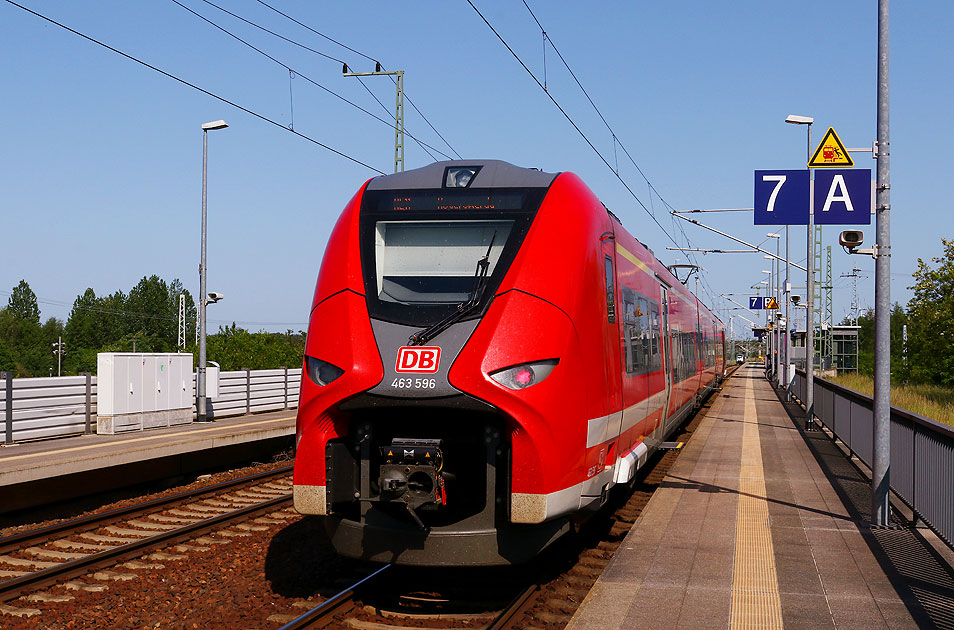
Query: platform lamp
[(794, 119), (200, 403)]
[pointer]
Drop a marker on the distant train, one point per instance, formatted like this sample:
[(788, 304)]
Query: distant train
[(489, 352)]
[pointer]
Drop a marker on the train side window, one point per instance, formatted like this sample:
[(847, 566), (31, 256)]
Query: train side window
[(645, 333), (635, 338), (656, 362), (629, 327), (610, 291)]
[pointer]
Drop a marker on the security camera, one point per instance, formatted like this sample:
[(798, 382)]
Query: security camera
[(796, 299), (852, 239), (215, 296)]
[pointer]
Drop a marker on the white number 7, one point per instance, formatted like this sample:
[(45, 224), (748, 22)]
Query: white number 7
[(773, 178)]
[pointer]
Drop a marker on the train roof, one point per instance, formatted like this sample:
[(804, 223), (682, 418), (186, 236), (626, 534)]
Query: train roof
[(490, 174)]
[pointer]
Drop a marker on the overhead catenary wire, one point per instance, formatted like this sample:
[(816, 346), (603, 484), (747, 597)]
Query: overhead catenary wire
[(196, 87), (298, 73), (569, 119), (616, 141), (369, 58), (704, 282), (338, 61)]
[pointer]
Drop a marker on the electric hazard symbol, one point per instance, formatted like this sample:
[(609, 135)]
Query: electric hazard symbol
[(831, 152), (771, 302)]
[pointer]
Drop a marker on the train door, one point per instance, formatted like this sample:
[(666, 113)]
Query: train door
[(612, 339), (667, 349), (660, 432), (612, 403)]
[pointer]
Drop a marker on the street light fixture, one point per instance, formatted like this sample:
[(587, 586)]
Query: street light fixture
[(795, 119), (200, 403)]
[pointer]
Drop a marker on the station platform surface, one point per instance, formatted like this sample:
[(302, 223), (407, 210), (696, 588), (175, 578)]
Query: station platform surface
[(44, 466), (760, 524)]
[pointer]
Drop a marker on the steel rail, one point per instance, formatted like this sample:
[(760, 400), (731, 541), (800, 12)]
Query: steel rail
[(320, 615), (15, 587), (92, 521), (511, 613)]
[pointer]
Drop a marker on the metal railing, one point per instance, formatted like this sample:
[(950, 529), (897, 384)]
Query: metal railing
[(61, 406), (922, 450)]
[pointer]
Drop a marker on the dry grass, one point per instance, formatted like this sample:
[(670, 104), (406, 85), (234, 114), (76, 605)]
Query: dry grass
[(930, 401)]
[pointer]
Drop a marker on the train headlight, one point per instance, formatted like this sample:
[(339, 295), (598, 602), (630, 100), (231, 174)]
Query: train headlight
[(321, 372), (524, 375)]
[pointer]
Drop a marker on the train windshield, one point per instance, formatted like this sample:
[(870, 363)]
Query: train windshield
[(421, 250), (434, 262)]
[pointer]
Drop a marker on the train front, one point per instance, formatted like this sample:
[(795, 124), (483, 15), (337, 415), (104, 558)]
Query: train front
[(416, 378)]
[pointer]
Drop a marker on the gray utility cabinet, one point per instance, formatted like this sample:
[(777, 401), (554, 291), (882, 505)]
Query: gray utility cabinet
[(138, 391)]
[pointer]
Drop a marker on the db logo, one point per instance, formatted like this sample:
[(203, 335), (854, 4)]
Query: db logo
[(418, 359)]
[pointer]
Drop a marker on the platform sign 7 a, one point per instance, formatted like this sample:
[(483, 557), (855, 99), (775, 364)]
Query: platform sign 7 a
[(756, 303), (782, 197)]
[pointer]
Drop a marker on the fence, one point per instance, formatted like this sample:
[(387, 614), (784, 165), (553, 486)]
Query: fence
[(922, 450), (39, 408)]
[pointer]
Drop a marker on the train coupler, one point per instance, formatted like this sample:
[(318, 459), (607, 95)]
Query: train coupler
[(411, 474)]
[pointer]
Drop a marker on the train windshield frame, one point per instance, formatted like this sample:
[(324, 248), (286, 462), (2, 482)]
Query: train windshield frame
[(420, 248)]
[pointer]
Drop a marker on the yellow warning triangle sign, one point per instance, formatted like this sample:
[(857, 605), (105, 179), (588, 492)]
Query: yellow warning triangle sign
[(831, 152)]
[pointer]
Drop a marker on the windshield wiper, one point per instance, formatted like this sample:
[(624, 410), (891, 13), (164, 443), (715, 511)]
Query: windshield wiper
[(464, 308)]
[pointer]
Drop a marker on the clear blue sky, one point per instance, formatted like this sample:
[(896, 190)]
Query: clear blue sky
[(100, 172)]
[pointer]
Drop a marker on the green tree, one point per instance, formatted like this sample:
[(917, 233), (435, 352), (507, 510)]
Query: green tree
[(931, 320), (22, 303), (233, 348), (866, 343), (153, 321)]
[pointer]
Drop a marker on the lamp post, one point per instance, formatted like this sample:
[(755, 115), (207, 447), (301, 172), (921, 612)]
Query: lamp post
[(770, 318), (200, 403), (781, 340), (809, 290)]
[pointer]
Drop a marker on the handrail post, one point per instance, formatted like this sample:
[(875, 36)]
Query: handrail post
[(248, 391), (8, 405), (89, 403), (285, 383)]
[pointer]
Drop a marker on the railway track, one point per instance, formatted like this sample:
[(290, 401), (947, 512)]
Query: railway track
[(130, 536), (87, 554), (546, 596)]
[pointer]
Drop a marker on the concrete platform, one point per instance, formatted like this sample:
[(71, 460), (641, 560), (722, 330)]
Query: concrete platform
[(39, 472), (761, 525)]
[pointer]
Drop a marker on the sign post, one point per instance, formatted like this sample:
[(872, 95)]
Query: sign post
[(841, 195)]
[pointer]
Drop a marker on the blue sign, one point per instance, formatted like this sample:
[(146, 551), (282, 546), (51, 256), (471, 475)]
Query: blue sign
[(781, 197), (756, 303), (843, 196)]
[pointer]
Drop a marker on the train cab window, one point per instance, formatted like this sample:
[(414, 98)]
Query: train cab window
[(610, 291), (421, 247), (434, 262)]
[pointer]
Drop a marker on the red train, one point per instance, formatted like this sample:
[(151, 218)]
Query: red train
[(489, 352)]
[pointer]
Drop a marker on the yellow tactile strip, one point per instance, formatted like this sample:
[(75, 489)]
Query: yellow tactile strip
[(755, 599)]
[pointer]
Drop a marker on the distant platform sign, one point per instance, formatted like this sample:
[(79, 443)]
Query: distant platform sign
[(781, 197), (830, 152), (756, 303), (843, 197)]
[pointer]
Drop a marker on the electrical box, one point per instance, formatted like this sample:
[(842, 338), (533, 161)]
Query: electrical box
[(137, 391), (212, 373)]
